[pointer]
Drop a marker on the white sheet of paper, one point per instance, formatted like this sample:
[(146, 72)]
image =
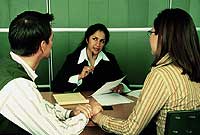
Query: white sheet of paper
[(134, 93), (106, 88), (111, 99)]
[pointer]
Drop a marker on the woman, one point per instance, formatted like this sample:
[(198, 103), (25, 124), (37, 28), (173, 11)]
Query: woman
[(172, 84), (89, 66)]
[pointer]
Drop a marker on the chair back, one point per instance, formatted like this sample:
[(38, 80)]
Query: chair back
[(183, 123)]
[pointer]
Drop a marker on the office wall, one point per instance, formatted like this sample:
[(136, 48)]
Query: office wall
[(131, 49)]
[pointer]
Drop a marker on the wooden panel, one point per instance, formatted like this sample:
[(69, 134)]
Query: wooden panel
[(98, 11), (138, 56), (138, 13), (78, 13), (118, 46), (118, 13)]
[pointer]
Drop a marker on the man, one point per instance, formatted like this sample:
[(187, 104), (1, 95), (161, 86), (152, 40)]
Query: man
[(22, 108)]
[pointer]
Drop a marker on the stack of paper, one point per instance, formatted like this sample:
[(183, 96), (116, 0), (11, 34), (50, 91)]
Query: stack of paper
[(70, 98), (106, 97)]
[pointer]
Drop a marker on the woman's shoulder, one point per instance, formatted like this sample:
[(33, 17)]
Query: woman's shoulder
[(109, 55)]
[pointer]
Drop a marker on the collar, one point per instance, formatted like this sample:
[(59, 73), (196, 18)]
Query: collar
[(26, 67), (83, 56), (165, 60)]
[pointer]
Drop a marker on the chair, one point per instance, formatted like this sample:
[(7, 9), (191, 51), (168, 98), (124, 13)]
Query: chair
[(183, 123)]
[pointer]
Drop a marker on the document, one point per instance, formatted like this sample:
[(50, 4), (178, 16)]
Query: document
[(135, 93), (111, 99), (106, 88), (106, 97), (70, 98)]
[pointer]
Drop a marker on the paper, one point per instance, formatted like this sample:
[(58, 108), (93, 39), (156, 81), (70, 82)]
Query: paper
[(70, 98), (106, 88), (106, 97), (135, 93), (111, 99)]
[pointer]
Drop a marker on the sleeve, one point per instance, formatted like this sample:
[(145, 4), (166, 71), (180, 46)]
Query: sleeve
[(153, 97), (26, 108), (68, 69)]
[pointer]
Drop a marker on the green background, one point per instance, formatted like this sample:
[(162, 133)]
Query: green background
[(131, 49)]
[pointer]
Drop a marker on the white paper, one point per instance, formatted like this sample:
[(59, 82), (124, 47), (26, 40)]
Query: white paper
[(135, 93), (106, 88), (111, 99), (106, 97)]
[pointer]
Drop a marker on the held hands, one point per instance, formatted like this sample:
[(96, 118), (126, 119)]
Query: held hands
[(96, 107), (85, 72), (118, 89), (86, 109), (89, 110)]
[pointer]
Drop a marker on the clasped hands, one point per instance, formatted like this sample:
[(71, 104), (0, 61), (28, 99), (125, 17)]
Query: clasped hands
[(89, 110), (93, 108)]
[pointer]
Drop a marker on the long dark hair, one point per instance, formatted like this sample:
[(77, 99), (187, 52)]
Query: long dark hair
[(178, 37), (91, 30)]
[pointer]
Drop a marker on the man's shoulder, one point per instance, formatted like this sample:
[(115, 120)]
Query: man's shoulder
[(10, 70)]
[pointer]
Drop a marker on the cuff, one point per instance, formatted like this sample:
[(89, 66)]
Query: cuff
[(74, 79), (125, 88)]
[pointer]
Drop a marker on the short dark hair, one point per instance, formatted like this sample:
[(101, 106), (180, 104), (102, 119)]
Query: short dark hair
[(28, 30), (91, 30), (178, 37)]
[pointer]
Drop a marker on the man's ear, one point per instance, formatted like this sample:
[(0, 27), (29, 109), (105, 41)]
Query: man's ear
[(43, 46)]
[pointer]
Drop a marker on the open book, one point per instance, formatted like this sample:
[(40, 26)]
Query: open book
[(106, 97), (70, 98)]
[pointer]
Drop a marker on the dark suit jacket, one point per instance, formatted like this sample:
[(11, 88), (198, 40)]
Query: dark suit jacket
[(104, 71)]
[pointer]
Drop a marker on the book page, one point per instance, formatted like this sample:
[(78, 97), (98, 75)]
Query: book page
[(70, 98)]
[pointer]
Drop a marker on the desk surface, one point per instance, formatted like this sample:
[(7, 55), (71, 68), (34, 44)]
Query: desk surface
[(119, 111)]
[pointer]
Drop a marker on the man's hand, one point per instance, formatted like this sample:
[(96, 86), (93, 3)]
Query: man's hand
[(85, 109)]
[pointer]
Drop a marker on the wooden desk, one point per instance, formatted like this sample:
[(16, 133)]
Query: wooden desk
[(119, 111)]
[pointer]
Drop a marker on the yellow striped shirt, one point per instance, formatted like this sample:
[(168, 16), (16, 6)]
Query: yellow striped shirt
[(165, 89)]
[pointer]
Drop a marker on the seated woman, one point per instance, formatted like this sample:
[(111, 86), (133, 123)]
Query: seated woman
[(173, 82), (90, 66)]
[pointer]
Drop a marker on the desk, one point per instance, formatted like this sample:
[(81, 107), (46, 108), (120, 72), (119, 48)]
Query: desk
[(119, 111)]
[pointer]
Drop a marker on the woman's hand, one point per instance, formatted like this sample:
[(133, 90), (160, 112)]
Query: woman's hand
[(118, 89), (85, 109), (96, 107), (85, 72)]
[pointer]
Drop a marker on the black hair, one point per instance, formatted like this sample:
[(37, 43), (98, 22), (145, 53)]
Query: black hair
[(91, 30), (28, 30), (178, 37)]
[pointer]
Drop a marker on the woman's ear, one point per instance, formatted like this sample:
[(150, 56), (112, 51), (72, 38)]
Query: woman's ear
[(86, 40)]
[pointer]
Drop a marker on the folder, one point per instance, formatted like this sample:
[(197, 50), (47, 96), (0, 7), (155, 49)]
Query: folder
[(70, 98)]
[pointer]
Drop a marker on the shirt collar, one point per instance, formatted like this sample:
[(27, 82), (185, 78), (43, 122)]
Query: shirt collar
[(83, 56), (26, 67), (165, 60)]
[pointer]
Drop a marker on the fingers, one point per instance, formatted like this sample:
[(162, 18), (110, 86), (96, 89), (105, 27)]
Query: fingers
[(86, 70), (85, 109), (118, 89)]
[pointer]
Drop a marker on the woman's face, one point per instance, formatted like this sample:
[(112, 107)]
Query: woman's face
[(96, 42), (153, 39)]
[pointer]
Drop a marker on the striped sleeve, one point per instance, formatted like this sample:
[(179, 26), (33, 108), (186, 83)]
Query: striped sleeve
[(154, 95)]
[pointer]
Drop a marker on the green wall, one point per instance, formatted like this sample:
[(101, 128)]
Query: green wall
[(131, 49)]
